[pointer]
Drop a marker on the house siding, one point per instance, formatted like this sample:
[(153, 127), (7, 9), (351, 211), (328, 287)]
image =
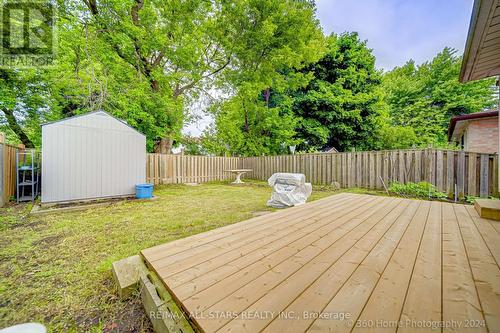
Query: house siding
[(482, 135)]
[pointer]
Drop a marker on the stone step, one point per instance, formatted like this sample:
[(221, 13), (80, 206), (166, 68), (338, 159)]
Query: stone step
[(488, 208)]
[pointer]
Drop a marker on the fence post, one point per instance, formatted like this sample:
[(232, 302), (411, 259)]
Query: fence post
[(2, 174), (461, 175)]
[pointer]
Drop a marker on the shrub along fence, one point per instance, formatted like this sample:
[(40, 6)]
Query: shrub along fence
[(453, 172)]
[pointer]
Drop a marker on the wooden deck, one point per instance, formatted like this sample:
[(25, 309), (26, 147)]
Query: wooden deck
[(344, 263)]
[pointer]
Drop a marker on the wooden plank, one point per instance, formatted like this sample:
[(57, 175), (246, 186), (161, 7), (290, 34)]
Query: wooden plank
[(494, 173), (386, 168), (354, 293), (388, 296), (279, 297), (423, 298), (359, 169), (410, 163), (372, 173), (471, 175), (325, 170), (484, 176), (338, 168), (485, 271), (418, 166), (350, 254), (248, 292), (460, 300), (173, 269), (316, 168), (351, 169), (489, 234), (401, 166), (310, 170), (366, 169), (450, 172), (272, 253), (432, 166), (170, 249), (163, 169), (461, 174), (378, 172), (319, 293), (329, 169), (439, 171), (345, 167)]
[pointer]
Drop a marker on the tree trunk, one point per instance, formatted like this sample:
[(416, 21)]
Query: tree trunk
[(164, 146), (267, 95), (14, 126)]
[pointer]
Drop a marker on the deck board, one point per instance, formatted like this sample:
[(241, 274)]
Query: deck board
[(426, 275), (272, 253), (319, 293), (372, 259), (389, 295), (460, 298), (276, 234)]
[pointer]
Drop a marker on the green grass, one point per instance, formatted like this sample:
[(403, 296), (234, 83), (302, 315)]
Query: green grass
[(56, 269)]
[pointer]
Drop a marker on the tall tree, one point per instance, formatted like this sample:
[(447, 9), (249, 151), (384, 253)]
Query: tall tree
[(425, 97), (171, 46), (341, 104), (270, 41)]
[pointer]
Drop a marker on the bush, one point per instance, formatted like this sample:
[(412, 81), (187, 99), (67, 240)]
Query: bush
[(416, 190)]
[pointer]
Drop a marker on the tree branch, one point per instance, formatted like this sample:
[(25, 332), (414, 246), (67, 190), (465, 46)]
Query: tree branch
[(92, 6), (180, 90), (16, 128)]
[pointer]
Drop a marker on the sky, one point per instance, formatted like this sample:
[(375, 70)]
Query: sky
[(399, 30), (396, 30)]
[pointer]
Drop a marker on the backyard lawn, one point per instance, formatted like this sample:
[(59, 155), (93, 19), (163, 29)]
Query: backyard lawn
[(56, 269)]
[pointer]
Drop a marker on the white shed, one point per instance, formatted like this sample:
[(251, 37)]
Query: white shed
[(91, 156)]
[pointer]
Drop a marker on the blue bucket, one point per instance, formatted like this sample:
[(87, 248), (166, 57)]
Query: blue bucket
[(144, 191)]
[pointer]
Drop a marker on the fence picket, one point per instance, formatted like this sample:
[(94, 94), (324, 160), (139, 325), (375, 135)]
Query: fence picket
[(484, 176)]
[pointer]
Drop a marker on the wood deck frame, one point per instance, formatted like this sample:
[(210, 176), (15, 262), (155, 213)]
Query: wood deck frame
[(344, 263)]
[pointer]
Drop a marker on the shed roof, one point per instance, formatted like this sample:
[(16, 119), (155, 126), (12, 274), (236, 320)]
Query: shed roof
[(470, 116), (102, 112), (482, 49)]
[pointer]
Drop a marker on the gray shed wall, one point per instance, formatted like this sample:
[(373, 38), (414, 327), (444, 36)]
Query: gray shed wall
[(91, 156)]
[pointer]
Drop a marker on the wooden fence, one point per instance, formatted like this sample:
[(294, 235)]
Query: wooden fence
[(7, 171), (453, 172), (167, 169)]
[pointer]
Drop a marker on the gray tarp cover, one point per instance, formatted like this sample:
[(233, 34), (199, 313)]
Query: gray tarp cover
[(289, 189)]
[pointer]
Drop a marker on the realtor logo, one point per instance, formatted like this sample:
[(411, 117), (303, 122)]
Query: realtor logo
[(27, 35)]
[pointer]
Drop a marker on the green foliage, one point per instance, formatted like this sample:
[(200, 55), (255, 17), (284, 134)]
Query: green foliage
[(23, 101), (340, 106), (270, 41), (192, 146), (417, 190), (395, 137), (279, 81), (471, 199), (425, 97), (146, 61), (249, 129)]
